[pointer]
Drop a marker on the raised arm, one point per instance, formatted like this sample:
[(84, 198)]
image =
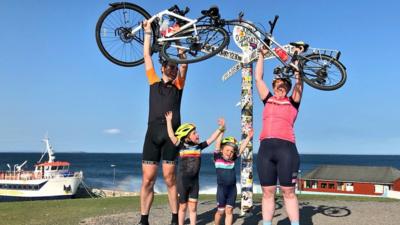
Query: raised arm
[(148, 62), (171, 134), (218, 141), (260, 84), (246, 141), (183, 67), (217, 132), (180, 79), (298, 86)]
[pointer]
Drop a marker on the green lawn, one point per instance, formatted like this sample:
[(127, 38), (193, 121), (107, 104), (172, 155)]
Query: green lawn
[(66, 212)]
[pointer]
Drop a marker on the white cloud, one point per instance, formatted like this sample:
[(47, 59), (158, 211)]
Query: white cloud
[(112, 131)]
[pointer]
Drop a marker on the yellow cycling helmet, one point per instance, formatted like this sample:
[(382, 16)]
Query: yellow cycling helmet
[(184, 129), (231, 141)]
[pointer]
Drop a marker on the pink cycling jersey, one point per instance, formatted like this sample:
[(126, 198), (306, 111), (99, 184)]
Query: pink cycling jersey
[(278, 118)]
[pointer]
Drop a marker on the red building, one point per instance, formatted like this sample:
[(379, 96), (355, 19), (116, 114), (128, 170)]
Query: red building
[(365, 180)]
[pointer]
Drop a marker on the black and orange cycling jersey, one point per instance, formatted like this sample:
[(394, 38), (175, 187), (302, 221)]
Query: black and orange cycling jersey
[(163, 97)]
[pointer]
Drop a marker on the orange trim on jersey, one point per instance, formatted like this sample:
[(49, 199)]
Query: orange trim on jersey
[(179, 82), (152, 76)]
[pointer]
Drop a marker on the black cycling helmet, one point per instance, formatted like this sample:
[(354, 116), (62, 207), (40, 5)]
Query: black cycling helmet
[(162, 61), (284, 79), (300, 44)]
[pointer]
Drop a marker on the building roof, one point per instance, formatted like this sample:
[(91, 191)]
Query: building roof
[(366, 174), (57, 163)]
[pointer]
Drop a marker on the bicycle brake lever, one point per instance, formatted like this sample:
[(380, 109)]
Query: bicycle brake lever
[(241, 14), (187, 9)]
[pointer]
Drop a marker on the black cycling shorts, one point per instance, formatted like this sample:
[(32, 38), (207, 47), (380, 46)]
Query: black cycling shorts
[(226, 196), (277, 160), (158, 145), (188, 188)]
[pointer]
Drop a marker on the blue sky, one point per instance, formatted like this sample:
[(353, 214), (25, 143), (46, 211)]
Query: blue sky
[(54, 79)]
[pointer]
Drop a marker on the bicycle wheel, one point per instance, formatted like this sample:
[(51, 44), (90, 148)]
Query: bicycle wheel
[(208, 42), (113, 34), (323, 72), (335, 211)]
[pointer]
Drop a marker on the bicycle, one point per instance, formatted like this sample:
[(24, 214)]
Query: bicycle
[(120, 36), (205, 37), (319, 68)]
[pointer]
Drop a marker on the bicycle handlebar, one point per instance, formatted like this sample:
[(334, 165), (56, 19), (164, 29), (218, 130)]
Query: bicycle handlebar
[(178, 11), (272, 24)]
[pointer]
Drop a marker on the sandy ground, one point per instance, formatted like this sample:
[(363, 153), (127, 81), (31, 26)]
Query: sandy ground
[(312, 212)]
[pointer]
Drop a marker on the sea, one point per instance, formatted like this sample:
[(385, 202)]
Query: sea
[(126, 173)]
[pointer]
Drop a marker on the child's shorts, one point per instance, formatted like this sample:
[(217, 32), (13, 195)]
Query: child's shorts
[(226, 196)]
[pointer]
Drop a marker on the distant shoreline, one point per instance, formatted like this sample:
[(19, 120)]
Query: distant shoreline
[(208, 153)]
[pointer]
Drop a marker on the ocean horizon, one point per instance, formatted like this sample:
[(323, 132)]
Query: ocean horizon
[(98, 172)]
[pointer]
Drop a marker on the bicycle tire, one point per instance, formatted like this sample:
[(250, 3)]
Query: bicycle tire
[(336, 212), (112, 34), (323, 72), (193, 51)]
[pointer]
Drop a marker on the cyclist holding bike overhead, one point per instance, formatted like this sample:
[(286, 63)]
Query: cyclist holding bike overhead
[(278, 158), (165, 95)]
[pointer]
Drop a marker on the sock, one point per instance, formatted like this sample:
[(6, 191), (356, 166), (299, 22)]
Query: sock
[(265, 222), (144, 219), (174, 218), (294, 223)]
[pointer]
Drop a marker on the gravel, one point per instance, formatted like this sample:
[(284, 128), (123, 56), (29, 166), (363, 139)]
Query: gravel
[(312, 212)]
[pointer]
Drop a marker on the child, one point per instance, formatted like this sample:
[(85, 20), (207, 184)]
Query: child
[(187, 140), (226, 178)]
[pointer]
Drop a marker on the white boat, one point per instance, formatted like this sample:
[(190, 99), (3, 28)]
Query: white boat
[(50, 180)]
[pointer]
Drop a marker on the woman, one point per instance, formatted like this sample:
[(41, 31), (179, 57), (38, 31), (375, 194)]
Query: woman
[(278, 158), (165, 95)]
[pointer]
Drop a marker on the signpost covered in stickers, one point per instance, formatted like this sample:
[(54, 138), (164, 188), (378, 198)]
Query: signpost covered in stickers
[(249, 44)]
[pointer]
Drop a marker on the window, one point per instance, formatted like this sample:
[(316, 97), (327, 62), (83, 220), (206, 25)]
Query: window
[(378, 188), (349, 186), (323, 185), (331, 186), (340, 186), (310, 184)]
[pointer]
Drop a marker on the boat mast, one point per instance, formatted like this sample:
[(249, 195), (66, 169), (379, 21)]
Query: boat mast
[(49, 149)]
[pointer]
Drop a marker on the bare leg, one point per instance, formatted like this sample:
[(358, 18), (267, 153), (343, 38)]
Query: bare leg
[(182, 213), (291, 203), (268, 202), (170, 181), (218, 216), (147, 190), (193, 212), (228, 215)]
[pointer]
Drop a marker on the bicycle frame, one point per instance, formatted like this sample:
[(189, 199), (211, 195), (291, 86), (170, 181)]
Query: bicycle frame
[(253, 29), (190, 23), (269, 38)]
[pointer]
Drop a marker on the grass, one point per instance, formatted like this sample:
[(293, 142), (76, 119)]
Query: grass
[(65, 212)]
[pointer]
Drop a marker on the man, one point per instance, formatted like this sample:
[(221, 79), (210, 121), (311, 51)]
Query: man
[(165, 95)]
